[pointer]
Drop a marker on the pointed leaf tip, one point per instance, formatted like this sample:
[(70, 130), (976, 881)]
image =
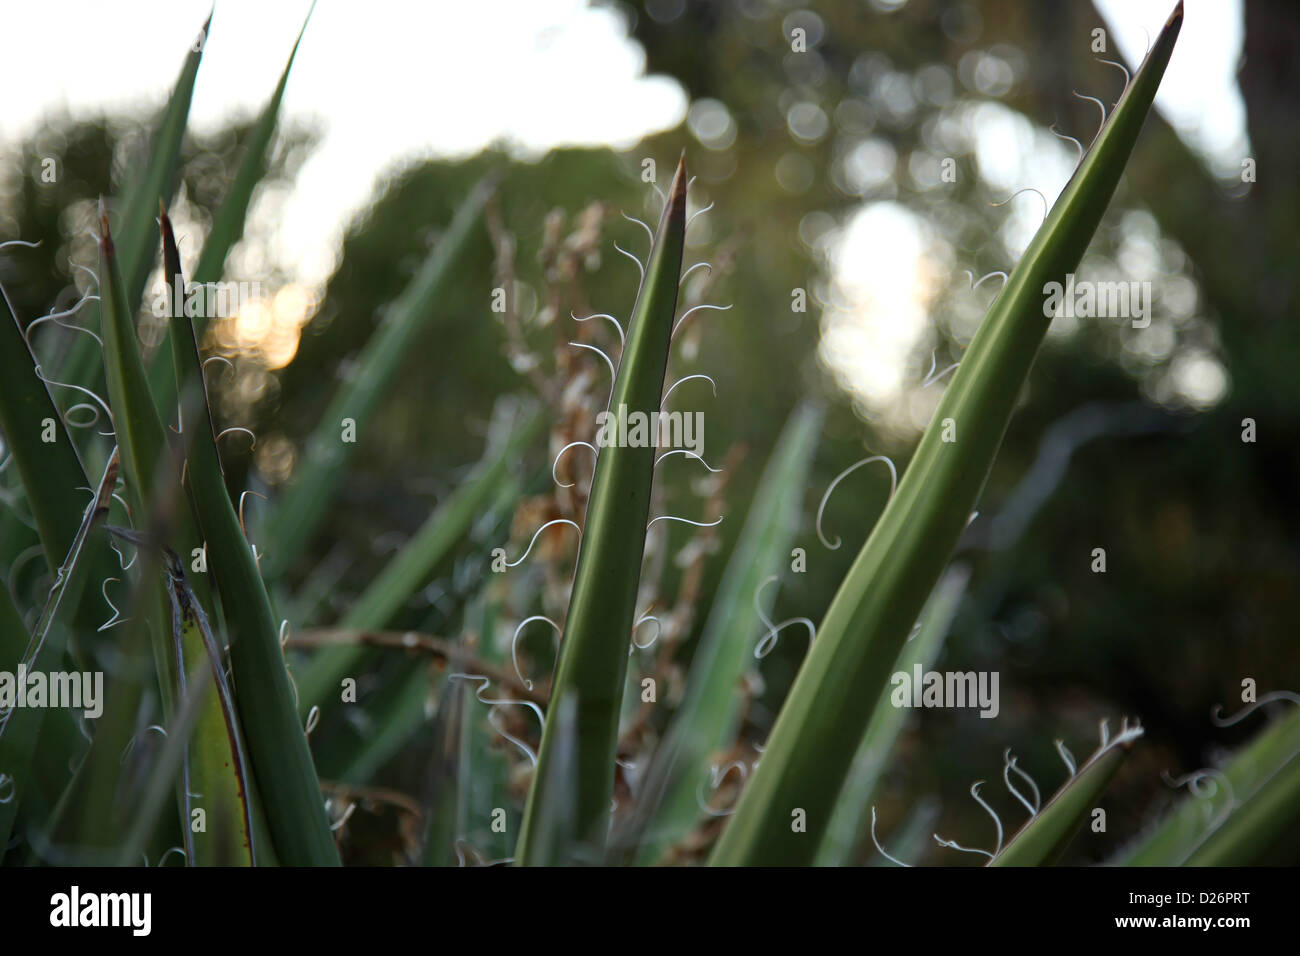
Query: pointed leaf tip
[(677, 192), (105, 234), (171, 254)]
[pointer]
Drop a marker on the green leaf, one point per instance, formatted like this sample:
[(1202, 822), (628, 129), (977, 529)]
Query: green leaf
[(60, 733), (706, 719), (281, 759), (228, 223), (848, 823), (297, 514), (152, 487), (21, 729), (140, 436), (812, 744), (190, 627), (1239, 815), (224, 840), (593, 653), (137, 231), (149, 468), (1047, 834), (51, 472)]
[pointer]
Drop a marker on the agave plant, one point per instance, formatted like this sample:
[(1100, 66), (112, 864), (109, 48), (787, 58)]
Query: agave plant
[(202, 752)]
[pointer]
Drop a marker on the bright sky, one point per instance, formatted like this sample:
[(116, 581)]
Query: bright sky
[(389, 79), (1199, 95), (393, 79)]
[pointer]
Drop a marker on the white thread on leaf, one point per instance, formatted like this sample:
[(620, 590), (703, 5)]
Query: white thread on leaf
[(1008, 765), (1128, 78), (514, 645), (639, 266), (650, 643), (494, 703), (1065, 136), (103, 589), (239, 428), (883, 852), (689, 454), (573, 524), (821, 507), (608, 361), (931, 377), (687, 379), (698, 265), (768, 641), (1067, 757), (601, 315), (698, 524), (689, 312), (1027, 189), (559, 454), (1100, 105), (648, 231), (1220, 721), (697, 215)]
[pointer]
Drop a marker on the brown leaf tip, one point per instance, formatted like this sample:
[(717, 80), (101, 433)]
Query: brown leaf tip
[(105, 235), (677, 192)]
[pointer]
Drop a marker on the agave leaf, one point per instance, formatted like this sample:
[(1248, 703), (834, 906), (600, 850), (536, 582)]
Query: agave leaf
[(151, 481), (96, 806), (137, 231), (1047, 834), (52, 473), (142, 442), (551, 828), (281, 759), (847, 827), (812, 744), (593, 653), (294, 519), (189, 627), (228, 222), (163, 773), (705, 720), (22, 726), (59, 733), (1237, 816)]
